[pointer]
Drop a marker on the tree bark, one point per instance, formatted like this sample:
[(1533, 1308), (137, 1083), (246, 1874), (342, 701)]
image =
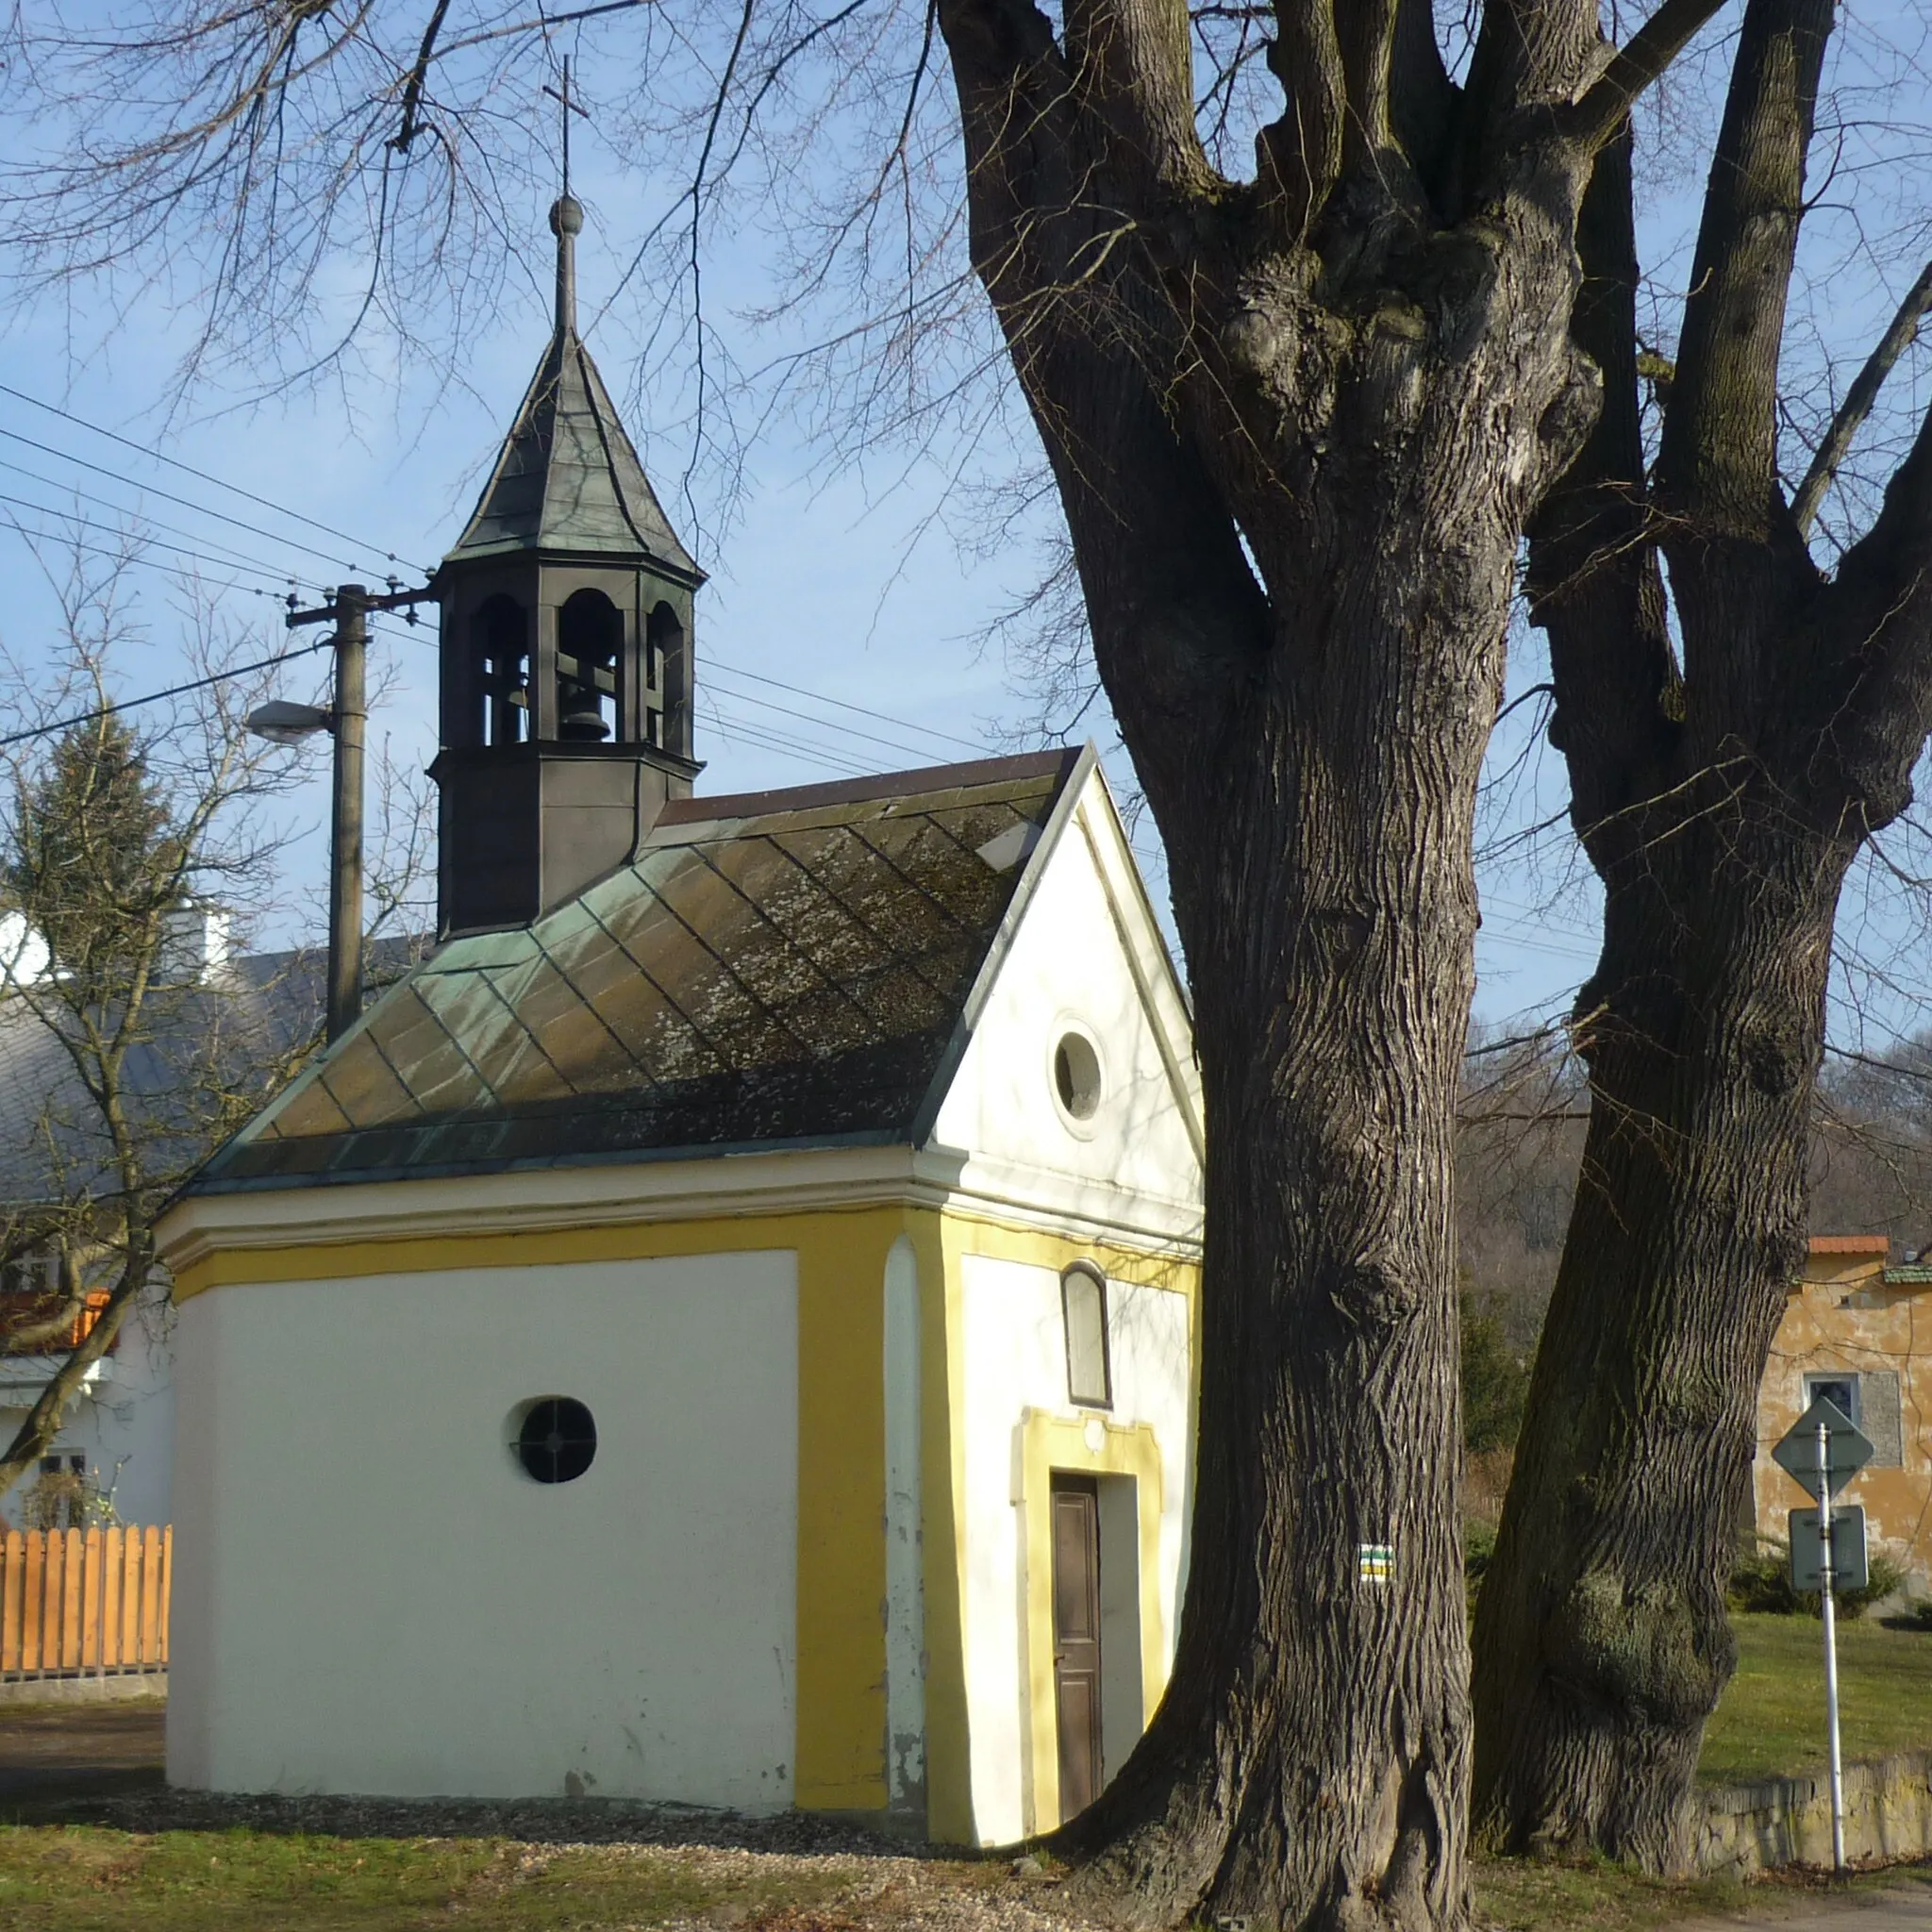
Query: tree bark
[(1602, 1639), (1308, 1765)]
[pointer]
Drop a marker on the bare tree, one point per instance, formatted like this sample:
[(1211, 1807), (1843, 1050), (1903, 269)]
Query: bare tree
[(1299, 410), (134, 858)]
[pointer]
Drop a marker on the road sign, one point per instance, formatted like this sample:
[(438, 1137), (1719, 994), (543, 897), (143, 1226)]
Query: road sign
[(1849, 1570), (1846, 1451)]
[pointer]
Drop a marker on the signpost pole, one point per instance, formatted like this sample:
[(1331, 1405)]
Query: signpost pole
[(1824, 1579)]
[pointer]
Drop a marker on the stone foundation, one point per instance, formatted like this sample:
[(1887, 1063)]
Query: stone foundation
[(1739, 1829)]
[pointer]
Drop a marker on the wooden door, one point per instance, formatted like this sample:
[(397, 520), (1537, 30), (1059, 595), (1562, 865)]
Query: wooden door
[(1077, 1638)]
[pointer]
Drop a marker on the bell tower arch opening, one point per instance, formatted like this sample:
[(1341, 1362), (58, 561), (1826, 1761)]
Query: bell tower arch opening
[(500, 679), (590, 649), (667, 682)]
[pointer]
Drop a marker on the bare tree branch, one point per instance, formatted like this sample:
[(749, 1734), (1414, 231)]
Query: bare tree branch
[(1858, 400)]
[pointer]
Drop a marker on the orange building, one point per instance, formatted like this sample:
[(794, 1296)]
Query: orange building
[(1860, 1332)]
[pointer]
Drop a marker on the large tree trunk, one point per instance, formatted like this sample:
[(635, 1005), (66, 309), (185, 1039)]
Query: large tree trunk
[(1309, 1763), (1721, 807), (1602, 1641)]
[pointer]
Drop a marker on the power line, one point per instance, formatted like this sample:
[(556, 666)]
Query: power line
[(821, 697), (233, 558), (202, 475), (154, 697), (851, 731), (47, 449), (136, 562)]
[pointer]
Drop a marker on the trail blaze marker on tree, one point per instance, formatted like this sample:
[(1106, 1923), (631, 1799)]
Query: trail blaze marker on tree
[(1376, 1562), (1823, 1451)]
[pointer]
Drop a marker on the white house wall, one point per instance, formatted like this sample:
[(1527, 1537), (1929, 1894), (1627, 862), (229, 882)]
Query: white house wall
[(124, 1422), (1014, 1360), (374, 1597), (1087, 955)]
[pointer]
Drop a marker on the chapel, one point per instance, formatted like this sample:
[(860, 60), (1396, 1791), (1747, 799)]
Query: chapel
[(721, 1330)]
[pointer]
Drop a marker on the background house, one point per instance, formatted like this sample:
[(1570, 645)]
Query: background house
[(1859, 1331), (220, 1024)]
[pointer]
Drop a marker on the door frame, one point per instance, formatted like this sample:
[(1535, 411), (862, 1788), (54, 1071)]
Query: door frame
[(1079, 1446)]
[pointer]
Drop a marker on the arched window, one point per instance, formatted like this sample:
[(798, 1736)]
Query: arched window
[(500, 633), (590, 640), (1083, 1306), (663, 672)]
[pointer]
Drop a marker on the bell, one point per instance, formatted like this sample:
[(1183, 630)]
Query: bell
[(582, 717)]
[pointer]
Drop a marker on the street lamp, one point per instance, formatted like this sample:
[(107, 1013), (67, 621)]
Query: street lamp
[(286, 724)]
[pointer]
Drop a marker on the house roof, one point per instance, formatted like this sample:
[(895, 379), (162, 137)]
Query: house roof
[(229, 1033), (567, 477), (1850, 1244), (770, 969)]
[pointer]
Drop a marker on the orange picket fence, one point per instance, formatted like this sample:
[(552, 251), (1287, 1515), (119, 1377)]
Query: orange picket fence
[(88, 1602)]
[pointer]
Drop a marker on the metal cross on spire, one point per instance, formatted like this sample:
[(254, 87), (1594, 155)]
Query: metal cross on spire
[(570, 107)]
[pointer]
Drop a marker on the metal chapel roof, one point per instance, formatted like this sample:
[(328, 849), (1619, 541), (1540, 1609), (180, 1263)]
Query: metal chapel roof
[(782, 967), (568, 477)]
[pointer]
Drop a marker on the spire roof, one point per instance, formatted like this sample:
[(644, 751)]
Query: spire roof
[(568, 477)]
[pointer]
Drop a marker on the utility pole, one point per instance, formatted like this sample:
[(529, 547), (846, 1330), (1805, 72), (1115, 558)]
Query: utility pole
[(346, 838), (347, 718)]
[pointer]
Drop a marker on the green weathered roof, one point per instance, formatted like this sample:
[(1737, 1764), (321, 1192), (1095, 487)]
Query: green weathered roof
[(568, 478), (780, 968)]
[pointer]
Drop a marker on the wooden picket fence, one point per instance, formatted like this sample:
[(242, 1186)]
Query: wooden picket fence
[(88, 1602)]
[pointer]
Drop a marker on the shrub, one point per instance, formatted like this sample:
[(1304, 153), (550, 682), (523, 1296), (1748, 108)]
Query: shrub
[(1495, 1384), (1478, 1548), (1761, 1581)]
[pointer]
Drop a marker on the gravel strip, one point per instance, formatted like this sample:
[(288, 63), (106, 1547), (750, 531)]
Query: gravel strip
[(528, 1820), (885, 1884)]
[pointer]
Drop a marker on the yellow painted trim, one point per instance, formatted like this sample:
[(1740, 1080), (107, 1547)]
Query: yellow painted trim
[(842, 1509), (638, 1241), (974, 1232), (969, 1232), (1050, 1444)]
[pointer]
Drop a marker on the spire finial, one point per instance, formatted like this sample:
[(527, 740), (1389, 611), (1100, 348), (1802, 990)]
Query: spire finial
[(566, 216), (566, 223)]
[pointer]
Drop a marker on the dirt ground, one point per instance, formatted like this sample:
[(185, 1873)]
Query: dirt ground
[(80, 1750)]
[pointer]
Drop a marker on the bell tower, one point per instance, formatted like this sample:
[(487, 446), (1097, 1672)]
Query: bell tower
[(566, 645)]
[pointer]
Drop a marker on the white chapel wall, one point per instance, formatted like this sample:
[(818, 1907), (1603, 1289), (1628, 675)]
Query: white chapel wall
[(373, 1597), (905, 1535), (1014, 1360)]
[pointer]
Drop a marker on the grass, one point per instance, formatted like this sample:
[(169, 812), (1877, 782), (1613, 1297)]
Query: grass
[(83, 1879), (79, 1878), (1770, 1721), (1535, 1896), (1538, 1895)]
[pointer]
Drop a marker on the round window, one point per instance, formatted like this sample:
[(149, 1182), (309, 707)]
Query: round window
[(1076, 1076), (557, 1439)]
